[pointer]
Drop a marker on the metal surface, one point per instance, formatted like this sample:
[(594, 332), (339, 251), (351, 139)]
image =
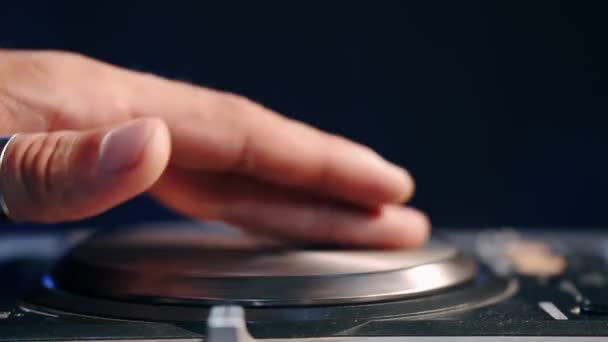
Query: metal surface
[(202, 267), (323, 320)]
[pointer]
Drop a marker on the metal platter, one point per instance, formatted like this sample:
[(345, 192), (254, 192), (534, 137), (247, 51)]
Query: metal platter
[(205, 267)]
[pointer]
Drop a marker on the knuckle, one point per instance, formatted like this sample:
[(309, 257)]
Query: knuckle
[(238, 103), (19, 173), (35, 167), (149, 77), (41, 166), (59, 58)]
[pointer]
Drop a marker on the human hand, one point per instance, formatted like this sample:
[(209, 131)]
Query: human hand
[(92, 136)]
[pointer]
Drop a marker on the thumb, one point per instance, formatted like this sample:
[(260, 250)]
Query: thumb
[(69, 175)]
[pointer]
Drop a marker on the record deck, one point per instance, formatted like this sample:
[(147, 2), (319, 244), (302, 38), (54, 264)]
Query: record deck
[(212, 282)]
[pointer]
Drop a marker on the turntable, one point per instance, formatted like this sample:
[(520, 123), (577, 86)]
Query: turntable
[(209, 282)]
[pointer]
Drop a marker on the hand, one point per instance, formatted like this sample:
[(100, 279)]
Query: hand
[(94, 135)]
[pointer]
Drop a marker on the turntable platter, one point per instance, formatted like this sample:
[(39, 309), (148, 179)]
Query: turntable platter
[(191, 265)]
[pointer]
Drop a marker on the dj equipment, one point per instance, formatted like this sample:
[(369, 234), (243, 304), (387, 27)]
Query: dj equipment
[(210, 282)]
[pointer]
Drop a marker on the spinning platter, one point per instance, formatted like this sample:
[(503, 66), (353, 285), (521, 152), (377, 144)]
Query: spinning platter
[(190, 267), (180, 273)]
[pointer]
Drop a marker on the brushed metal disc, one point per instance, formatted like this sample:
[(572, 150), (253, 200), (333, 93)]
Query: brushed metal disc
[(192, 264)]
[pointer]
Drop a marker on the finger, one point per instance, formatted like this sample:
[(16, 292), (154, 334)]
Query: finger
[(69, 175), (272, 210), (223, 132), (211, 130)]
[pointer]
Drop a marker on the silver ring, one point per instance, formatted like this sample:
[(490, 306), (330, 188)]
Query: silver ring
[(5, 140)]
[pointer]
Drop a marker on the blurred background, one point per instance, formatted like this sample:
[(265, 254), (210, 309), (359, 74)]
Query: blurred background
[(499, 109)]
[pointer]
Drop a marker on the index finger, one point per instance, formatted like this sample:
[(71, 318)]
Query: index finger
[(218, 131)]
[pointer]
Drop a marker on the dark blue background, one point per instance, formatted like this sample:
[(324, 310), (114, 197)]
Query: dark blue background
[(498, 108)]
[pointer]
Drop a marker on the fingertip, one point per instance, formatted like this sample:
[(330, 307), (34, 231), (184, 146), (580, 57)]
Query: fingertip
[(407, 186), (132, 157), (384, 182), (410, 227), (423, 225), (158, 151), (391, 226)]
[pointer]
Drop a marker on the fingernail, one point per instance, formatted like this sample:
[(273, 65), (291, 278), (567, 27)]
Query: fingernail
[(121, 148)]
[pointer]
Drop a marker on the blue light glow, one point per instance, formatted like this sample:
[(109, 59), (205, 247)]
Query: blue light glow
[(48, 282)]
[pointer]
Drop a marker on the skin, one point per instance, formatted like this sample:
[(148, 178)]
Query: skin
[(92, 135)]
